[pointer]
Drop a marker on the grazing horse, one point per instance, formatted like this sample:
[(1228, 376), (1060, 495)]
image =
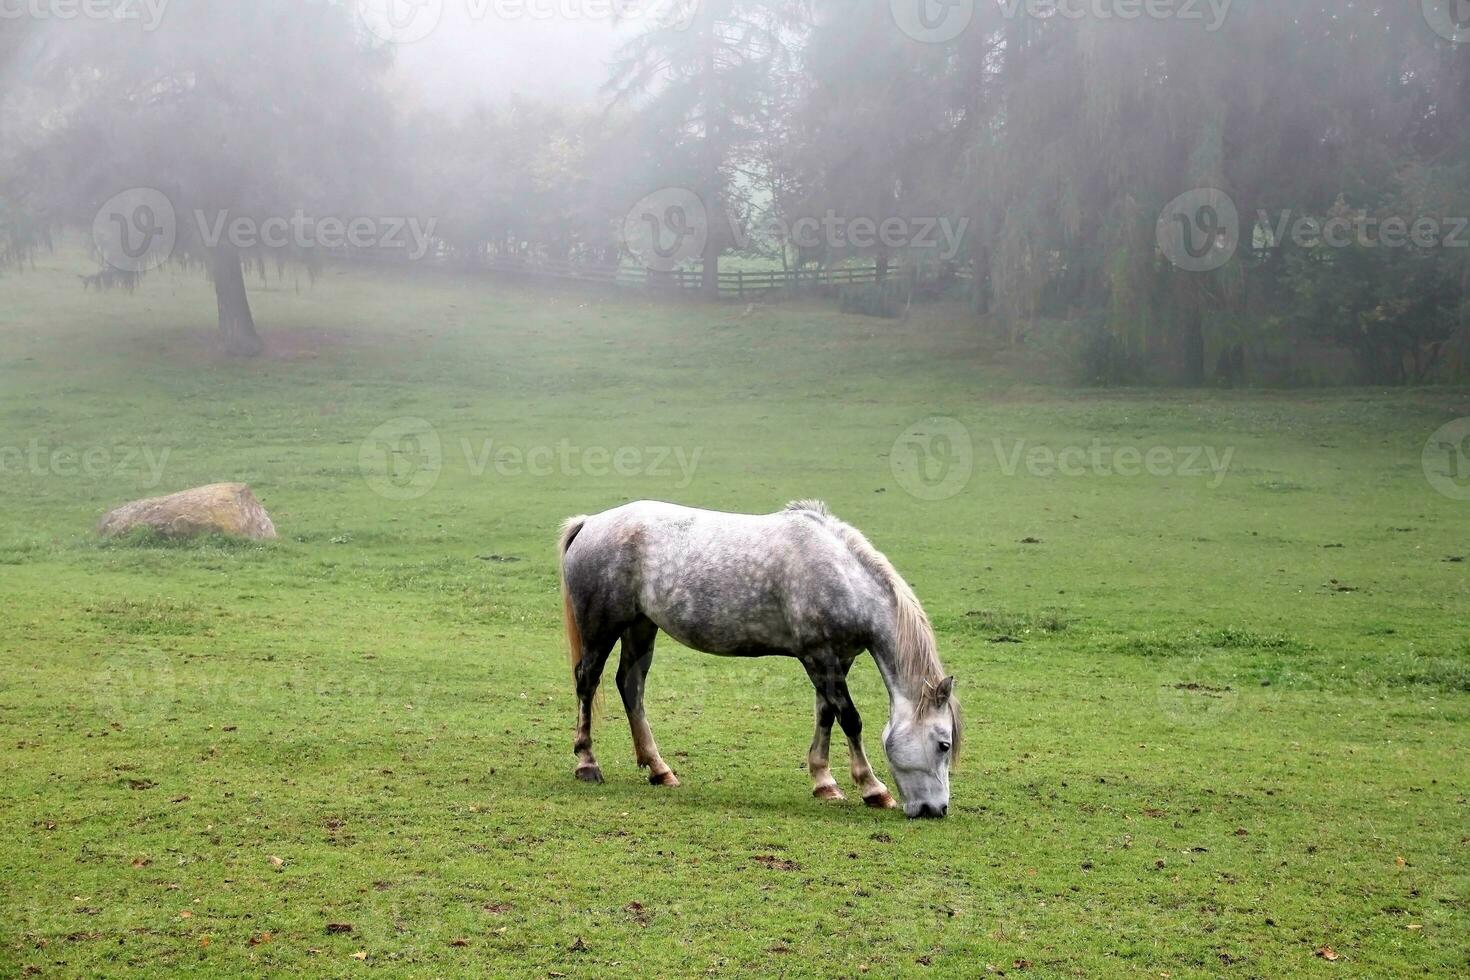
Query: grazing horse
[(801, 584)]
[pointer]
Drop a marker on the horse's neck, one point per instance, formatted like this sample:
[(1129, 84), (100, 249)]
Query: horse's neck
[(900, 688)]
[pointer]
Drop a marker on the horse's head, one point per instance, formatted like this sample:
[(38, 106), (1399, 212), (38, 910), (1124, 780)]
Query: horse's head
[(920, 740)]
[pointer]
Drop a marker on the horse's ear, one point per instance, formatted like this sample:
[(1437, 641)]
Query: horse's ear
[(944, 691)]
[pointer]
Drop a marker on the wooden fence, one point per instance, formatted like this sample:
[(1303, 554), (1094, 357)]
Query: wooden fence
[(738, 285)]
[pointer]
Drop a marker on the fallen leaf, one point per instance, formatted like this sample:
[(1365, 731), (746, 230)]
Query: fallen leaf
[(1328, 953), (277, 862), (1415, 926), (459, 942), (186, 914), (259, 940), (336, 928), (579, 946), (360, 954), (1400, 861), (142, 862)]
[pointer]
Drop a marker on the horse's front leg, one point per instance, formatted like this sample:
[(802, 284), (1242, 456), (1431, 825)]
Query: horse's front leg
[(874, 793), (828, 674)]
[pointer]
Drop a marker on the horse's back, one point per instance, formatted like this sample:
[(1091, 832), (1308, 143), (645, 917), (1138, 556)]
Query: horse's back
[(737, 584)]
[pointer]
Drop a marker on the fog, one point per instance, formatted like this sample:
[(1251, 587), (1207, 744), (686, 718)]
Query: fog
[(486, 60), (1130, 184)]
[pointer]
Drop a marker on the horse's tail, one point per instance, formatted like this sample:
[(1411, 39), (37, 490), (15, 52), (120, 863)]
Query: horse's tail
[(569, 532)]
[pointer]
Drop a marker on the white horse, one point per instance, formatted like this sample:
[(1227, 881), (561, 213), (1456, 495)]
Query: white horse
[(800, 584)]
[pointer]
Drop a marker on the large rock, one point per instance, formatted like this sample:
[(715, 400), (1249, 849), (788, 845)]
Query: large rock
[(224, 508)]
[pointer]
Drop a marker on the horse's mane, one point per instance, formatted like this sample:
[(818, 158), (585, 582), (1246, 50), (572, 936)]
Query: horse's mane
[(917, 655)]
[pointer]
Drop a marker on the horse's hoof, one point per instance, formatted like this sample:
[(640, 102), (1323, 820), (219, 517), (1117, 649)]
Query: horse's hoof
[(828, 792), (663, 779), (589, 774), (881, 801)]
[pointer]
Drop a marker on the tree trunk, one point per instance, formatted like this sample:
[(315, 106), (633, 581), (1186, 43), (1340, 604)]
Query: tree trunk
[(235, 322), (709, 281), (1193, 352), (980, 280), (709, 274)]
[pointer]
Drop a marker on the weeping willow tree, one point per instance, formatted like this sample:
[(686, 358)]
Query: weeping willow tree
[(229, 111), (1289, 108), (1063, 139)]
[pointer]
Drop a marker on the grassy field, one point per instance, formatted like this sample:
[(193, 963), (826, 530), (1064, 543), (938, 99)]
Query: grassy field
[(1218, 720)]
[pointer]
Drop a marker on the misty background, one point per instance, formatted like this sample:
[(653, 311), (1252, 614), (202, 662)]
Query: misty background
[(1205, 193)]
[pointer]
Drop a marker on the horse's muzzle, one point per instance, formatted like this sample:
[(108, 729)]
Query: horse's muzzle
[(928, 811)]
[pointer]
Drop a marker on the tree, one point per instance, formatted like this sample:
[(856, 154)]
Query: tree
[(878, 122), (702, 79), (518, 181), (255, 111), (21, 230)]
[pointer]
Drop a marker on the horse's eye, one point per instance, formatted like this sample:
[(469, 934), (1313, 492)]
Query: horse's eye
[(943, 747)]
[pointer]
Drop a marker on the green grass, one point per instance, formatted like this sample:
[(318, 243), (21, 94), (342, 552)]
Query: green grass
[(1212, 728)]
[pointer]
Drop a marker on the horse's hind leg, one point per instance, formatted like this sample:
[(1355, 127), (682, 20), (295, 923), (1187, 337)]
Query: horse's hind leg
[(824, 787), (637, 657), (588, 674)]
